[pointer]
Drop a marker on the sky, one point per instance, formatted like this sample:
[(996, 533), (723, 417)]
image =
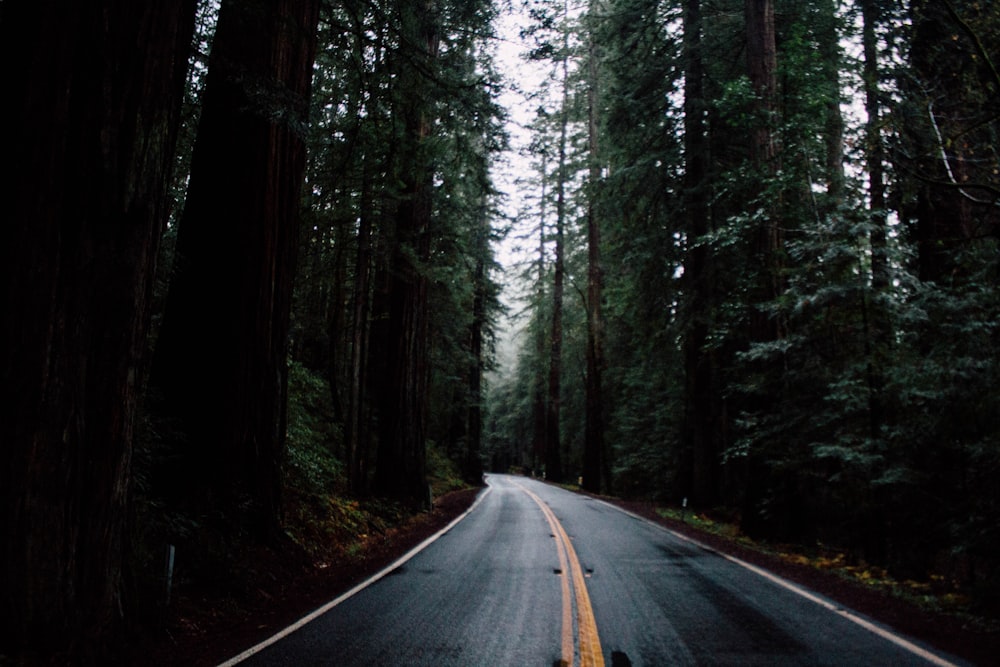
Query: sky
[(521, 78)]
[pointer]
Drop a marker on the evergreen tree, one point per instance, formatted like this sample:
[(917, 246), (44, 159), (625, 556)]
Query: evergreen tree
[(94, 104), (221, 355)]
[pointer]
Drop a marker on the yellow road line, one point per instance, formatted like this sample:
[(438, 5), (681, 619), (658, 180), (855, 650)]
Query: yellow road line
[(567, 601), (591, 654)]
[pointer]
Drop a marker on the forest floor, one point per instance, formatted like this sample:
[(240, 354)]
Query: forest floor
[(282, 584)]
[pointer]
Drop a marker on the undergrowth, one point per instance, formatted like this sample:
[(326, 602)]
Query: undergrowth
[(320, 516)]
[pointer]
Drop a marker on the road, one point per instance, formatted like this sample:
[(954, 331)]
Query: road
[(536, 575)]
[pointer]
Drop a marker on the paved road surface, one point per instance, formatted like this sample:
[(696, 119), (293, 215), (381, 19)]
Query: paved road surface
[(536, 575)]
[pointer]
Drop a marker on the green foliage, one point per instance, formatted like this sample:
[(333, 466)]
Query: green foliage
[(312, 438), (443, 473), (867, 417)]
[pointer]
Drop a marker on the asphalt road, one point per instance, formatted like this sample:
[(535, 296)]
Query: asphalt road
[(535, 575)]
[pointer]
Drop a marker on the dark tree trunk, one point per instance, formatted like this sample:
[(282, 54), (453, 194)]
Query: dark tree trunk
[(539, 409), (356, 431), (400, 470), (700, 402), (221, 358), (877, 319), (474, 424), (553, 440), (92, 98), (945, 219), (762, 66), (593, 445), (875, 149), (829, 37), (553, 458), (336, 305), (768, 284)]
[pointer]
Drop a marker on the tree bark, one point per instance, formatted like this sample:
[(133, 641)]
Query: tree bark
[(356, 433), (221, 357), (829, 37), (762, 67), (539, 409), (701, 408), (875, 150), (93, 94), (945, 216), (553, 440), (473, 467), (768, 284), (400, 470), (593, 445), (879, 334)]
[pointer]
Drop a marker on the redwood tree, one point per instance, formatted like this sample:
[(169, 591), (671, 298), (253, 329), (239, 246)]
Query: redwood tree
[(400, 470), (766, 285), (92, 98), (703, 450), (221, 356), (595, 462)]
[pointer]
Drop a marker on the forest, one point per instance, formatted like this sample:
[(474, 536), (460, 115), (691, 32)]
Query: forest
[(749, 264)]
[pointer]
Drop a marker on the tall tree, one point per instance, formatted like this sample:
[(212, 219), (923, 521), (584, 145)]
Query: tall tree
[(765, 327), (94, 94), (875, 150), (553, 438), (762, 67), (401, 465), (221, 357), (700, 397), (950, 87), (594, 459), (539, 407)]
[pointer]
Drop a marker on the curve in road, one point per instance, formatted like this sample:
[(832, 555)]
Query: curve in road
[(482, 592)]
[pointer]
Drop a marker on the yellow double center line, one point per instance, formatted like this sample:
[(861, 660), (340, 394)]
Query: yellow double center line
[(590, 644)]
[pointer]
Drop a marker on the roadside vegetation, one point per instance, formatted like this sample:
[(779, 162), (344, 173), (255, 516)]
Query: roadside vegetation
[(228, 590), (937, 593)]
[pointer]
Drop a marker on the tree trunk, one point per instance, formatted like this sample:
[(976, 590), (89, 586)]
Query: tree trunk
[(553, 456), (400, 470), (762, 69), (945, 217), (473, 467), (92, 102), (875, 149), (877, 321), (539, 408), (593, 446), (221, 358), (829, 37), (356, 433), (700, 413)]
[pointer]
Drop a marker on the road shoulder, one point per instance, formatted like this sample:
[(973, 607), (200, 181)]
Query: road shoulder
[(951, 634), (208, 627)]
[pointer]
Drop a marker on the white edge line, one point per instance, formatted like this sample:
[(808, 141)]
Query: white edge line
[(903, 643), (281, 634)]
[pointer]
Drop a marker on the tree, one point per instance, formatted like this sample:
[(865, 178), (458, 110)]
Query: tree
[(766, 393), (594, 459), (553, 439), (701, 407), (221, 356), (401, 466), (95, 93)]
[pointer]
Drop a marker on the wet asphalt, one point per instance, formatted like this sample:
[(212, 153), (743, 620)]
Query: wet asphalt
[(488, 592)]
